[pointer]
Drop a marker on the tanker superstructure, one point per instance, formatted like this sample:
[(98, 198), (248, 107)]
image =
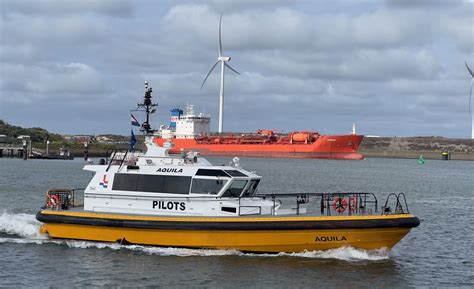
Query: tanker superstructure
[(191, 131)]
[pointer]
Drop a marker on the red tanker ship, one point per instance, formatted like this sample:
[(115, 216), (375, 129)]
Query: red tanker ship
[(191, 132)]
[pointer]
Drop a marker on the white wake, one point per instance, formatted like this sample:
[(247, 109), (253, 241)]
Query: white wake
[(22, 225)]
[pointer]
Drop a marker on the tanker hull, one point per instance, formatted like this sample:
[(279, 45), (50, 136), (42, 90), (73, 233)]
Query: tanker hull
[(341, 147)]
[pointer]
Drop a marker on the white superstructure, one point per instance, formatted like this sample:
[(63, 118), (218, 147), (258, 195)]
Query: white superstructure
[(155, 183), (191, 125)]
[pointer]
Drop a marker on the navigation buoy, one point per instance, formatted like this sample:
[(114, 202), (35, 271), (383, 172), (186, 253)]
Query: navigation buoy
[(421, 160)]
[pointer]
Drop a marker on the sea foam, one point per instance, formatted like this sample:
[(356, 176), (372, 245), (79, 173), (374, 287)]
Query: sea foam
[(22, 225)]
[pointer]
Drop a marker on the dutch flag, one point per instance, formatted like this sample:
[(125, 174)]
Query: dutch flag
[(134, 120)]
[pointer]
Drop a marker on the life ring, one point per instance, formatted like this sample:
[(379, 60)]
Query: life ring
[(352, 204), (53, 201), (339, 204)]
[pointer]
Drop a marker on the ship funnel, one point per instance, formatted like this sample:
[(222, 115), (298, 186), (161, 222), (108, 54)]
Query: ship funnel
[(175, 116)]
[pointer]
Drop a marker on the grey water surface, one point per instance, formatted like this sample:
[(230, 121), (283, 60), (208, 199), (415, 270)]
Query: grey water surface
[(439, 252)]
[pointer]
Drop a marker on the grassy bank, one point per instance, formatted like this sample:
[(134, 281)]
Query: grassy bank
[(413, 147)]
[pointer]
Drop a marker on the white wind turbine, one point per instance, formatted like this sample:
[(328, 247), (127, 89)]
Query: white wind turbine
[(470, 101), (223, 60)]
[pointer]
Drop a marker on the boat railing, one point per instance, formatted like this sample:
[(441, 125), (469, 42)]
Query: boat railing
[(119, 157), (63, 199), (339, 203), (396, 201), (324, 204)]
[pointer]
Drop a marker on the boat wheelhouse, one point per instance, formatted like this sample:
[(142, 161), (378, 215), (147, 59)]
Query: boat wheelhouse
[(156, 183)]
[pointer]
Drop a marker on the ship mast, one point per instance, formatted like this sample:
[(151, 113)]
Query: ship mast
[(149, 107)]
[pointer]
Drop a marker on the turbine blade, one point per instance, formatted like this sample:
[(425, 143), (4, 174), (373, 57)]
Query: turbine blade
[(228, 66), (468, 69), (212, 68), (220, 41)]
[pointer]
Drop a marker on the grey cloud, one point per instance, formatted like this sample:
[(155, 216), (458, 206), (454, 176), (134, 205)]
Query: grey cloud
[(424, 4), (269, 29), (231, 6), (64, 31), (60, 7), (51, 81), (304, 66), (368, 65), (284, 28), (19, 53)]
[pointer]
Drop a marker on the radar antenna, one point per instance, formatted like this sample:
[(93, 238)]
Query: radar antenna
[(149, 107)]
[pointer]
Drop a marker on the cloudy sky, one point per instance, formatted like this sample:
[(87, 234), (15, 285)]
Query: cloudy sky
[(392, 67)]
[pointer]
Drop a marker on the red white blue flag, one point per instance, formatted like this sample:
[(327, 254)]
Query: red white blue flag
[(134, 121)]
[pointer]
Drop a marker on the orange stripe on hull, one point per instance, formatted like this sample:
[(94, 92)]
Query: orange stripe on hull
[(325, 147)]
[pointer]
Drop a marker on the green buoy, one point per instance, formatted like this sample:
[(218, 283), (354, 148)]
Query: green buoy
[(421, 160)]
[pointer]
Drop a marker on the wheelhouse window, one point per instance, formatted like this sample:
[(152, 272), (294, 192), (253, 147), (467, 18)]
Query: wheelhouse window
[(152, 183), (251, 189), (235, 189), (211, 173), (235, 173), (207, 186)]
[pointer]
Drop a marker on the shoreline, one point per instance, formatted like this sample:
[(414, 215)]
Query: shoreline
[(370, 147), (413, 147), (427, 155)]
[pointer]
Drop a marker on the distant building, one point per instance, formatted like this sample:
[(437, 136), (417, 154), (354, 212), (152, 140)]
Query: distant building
[(3, 138), (80, 138), (23, 137), (103, 139)]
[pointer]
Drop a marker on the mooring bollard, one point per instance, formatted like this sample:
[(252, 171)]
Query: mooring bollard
[(86, 151), (445, 156), (25, 150)]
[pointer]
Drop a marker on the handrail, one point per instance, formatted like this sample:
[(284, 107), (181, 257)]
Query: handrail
[(405, 200), (398, 206), (66, 198), (122, 160), (111, 160), (350, 203), (332, 203), (114, 158), (312, 194)]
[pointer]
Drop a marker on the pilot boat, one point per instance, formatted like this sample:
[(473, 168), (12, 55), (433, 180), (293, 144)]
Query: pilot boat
[(159, 199)]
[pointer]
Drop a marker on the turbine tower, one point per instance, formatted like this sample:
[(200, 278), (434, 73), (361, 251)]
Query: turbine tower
[(470, 101), (223, 60)]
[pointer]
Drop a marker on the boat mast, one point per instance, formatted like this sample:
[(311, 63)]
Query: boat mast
[(148, 107)]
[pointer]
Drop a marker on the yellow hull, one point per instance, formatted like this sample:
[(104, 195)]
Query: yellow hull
[(265, 240)]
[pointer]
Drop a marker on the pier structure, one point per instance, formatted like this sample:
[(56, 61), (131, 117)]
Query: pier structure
[(12, 151)]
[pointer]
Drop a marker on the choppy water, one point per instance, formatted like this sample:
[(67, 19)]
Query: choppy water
[(438, 253)]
